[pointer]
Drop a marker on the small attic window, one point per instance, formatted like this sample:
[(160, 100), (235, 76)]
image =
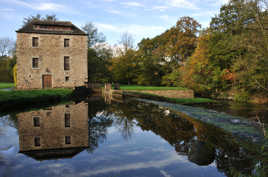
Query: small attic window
[(35, 26), (44, 26), (52, 28)]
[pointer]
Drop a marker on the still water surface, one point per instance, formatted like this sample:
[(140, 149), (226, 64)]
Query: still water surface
[(128, 139)]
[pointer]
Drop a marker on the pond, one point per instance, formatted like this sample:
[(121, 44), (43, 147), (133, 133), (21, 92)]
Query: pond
[(100, 137)]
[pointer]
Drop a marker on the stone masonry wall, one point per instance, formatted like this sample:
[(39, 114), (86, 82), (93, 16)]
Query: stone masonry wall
[(51, 52), (170, 93)]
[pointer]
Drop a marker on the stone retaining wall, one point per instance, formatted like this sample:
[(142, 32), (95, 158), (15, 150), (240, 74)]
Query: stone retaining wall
[(170, 93)]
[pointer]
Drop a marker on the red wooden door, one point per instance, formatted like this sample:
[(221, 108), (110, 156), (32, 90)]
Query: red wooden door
[(47, 81)]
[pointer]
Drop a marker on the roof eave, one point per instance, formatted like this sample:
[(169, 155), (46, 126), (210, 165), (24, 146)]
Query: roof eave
[(50, 33)]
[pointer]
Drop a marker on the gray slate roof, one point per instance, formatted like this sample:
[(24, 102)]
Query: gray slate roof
[(29, 28)]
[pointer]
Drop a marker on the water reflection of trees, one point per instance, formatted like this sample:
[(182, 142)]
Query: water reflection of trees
[(125, 126), (10, 120), (101, 117), (202, 143), (98, 122), (97, 126)]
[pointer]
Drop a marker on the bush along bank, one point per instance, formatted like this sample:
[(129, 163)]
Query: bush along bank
[(243, 97), (22, 98)]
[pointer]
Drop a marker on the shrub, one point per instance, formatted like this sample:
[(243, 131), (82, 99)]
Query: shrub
[(242, 97)]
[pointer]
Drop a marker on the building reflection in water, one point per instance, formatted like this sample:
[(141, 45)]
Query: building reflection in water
[(55, 132)]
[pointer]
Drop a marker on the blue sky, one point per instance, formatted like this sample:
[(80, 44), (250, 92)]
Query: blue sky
[(141, 18)]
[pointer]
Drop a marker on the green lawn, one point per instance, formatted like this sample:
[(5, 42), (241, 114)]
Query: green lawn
[(136, 87), (4, 85), (191, 100)]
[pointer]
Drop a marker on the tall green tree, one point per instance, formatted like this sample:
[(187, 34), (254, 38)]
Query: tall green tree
[(98, 64), (162, 56), (94, 36), (99, 55), (252, 68), (125, 68), (185, 45)]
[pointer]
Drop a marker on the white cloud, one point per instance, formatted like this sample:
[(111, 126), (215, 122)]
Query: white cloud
[(137, 31), (205, 13), (122, 13), (164, 173), (224, 1), (172, 158), (182, 4), (105, 27), (7, 10), (216, 3), (164, 17), (114, 12), (8, 14), (171, 20), (56, 169), (160, 8), (134, 153), (134, 29), (48, 6), (133, 4), (42, 6)]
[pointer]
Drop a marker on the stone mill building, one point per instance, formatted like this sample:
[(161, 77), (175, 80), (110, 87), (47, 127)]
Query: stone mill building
[(51, 54)]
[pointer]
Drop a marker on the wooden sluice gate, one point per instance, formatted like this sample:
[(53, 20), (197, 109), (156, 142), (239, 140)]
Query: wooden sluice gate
[(110, 94)]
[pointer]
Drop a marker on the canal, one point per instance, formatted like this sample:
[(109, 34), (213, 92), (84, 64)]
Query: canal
[(132, 138)]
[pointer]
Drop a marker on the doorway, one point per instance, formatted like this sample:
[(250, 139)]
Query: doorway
[(47, 81)]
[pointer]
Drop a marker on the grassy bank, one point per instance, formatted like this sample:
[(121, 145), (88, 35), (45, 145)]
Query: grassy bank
[(134, 91), (190, 100), (136, 87), (4, 85), (12, 99), (166, 99)]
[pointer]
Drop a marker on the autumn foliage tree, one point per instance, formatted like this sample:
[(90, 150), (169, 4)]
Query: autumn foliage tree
[(232, 55), (196, 70)]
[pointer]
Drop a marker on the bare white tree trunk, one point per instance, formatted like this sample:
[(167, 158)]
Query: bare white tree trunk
[(6, 46)]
